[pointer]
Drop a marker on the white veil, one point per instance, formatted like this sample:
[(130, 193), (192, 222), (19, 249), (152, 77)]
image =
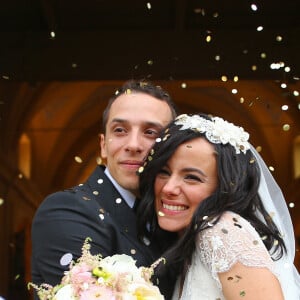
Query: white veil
[(275, 204)]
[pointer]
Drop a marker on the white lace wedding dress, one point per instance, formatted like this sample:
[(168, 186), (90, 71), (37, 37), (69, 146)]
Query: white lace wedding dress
[(218, 248)]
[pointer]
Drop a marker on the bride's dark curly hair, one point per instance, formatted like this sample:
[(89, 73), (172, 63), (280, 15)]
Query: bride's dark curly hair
[(237, 191)]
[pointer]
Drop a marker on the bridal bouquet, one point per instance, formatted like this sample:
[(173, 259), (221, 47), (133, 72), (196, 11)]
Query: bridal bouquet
[(95, 278)]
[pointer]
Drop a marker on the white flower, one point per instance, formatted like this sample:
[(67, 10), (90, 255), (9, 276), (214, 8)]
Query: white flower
[(65, 293), (122, 263), (144, 291)]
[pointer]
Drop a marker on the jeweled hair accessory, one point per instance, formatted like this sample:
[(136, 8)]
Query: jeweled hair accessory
[(217, 131)]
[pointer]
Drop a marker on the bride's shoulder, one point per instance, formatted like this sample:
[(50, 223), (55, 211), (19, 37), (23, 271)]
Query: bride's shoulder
[(230, 225), (230, 240), (232, 235)]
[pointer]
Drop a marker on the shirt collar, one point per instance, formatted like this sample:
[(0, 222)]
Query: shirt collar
[(126, 195)]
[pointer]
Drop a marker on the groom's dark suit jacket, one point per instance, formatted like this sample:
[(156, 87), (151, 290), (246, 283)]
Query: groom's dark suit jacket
[(94, 209)]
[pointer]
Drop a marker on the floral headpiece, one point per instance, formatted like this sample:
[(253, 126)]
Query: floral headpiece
[(217, 131)]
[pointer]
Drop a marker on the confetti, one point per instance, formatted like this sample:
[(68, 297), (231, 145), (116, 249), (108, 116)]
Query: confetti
[(78, 159), (161, 214)]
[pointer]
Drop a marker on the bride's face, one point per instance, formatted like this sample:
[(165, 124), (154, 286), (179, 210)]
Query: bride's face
[(188, 178)]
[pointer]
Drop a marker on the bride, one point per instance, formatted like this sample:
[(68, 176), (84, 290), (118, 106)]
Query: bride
[(206, 183)]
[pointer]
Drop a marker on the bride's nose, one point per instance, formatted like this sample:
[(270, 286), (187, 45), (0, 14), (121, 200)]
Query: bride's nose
[(172, 186)]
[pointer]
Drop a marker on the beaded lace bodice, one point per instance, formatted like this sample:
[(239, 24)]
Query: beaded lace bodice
[(231, 240)]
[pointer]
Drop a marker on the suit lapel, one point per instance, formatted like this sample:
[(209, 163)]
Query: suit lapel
[(110, 200)]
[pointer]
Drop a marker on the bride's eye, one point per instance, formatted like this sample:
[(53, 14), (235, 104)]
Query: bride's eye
[(192, 177), (163, 173)]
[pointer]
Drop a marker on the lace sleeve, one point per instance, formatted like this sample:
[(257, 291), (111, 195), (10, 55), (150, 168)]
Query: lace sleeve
[(231, 240)]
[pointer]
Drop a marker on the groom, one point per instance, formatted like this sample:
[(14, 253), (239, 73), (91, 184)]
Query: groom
[(102, 207)]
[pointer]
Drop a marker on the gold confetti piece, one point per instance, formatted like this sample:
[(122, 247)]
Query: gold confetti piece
[(78, 159), (254, 7), (242, 293), (252, 160), (161, 214), (98, 160), (271, 168), (272, 213), (259, 148), (254, 68), (146, 241), (128, 91), (208, 39), (263, 238), (237, 225), (165, 137), (286, 127), (141, 169), (263, 55)]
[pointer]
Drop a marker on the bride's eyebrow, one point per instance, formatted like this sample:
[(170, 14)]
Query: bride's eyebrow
[(195, 170)]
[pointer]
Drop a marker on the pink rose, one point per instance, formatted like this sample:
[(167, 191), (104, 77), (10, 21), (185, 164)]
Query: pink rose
[(97, 292)]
